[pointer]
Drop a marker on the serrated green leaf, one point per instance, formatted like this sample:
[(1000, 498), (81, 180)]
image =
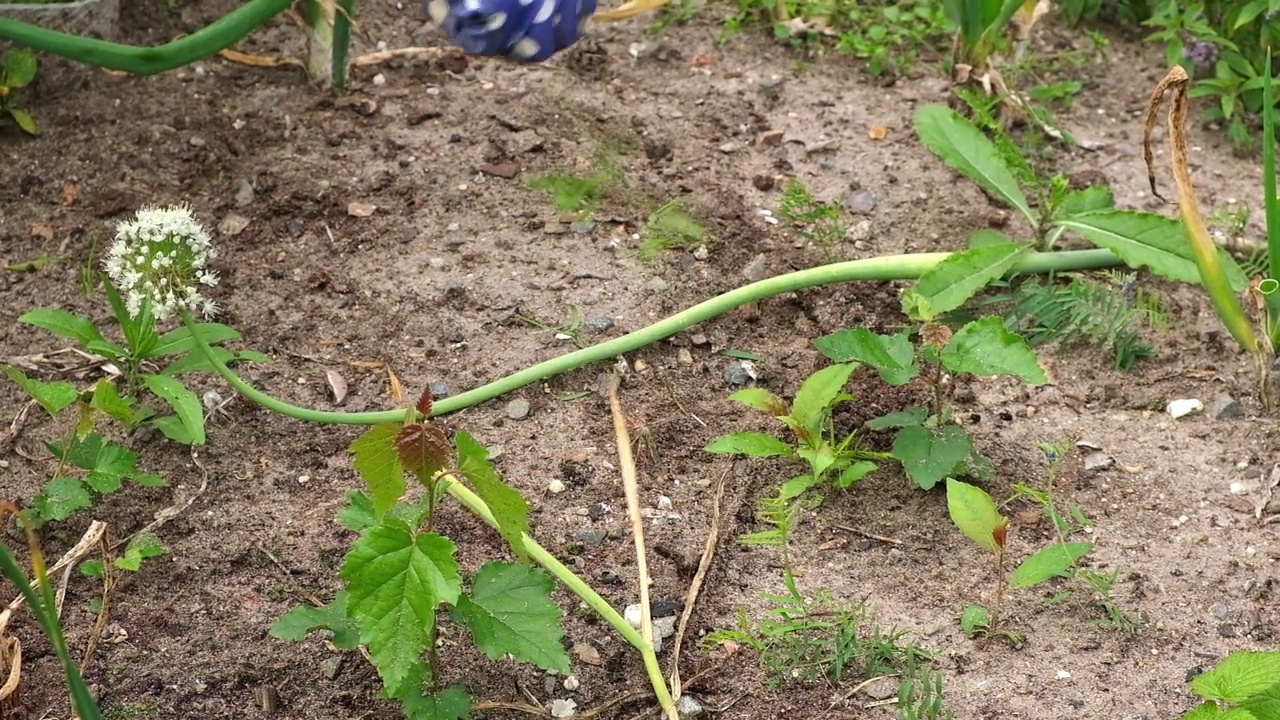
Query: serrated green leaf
[(1240, 676), (818, 392), (62, 497), (1152, 241), (19, 67), (509, 612), (902, 418), (91, 568), (1094, 198), (53, 397), (1266, 704), (975, 619), (358, 513), (139, 548), (965, 149), (305, 619), (1053, 561), (185, 405), (987, 347), (452, 704), (928, 456), (149, 480), (64, 323), (395, 580), (853, 473), (891, 355), (179, 339), (949, 284), (106, 398), (762, 400), (1204, 711), (375, 459), (753, 444), (974, 513), (509, 508)]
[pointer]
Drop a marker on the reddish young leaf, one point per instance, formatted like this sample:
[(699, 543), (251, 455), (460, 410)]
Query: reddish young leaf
[(1000, 533), (424, 403), (424, 450)]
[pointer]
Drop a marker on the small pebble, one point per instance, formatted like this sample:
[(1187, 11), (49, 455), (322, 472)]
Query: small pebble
[(656, 285), (599, 324), (582, 227), (701, 253), (1219, 611), (739, 372), (571, 683), (664, 502), (518, 409), (1095, 461), (591, 538), (688, 706), (1224, 406), (329, 667), (563, 708), (610, 577), (684, 357), (1183, 406), (860, 202), (754, 271), (555, 487)]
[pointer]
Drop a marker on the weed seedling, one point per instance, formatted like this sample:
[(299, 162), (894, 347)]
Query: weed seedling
[(668, 227), (1246, 684), (819, 223), (17, 70)]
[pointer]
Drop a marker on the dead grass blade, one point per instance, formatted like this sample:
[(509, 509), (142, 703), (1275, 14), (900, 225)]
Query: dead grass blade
[(708, 553)]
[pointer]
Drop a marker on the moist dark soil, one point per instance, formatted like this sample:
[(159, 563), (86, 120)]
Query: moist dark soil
[(438, 284)]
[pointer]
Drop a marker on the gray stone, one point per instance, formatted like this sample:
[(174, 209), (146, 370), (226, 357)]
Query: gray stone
[(739, 372), (591, 538), (755, 269), (1224, 406), (860, 202), (439, 389), (518, 409), (329, 667), (657, 285), (600, 324), (244, 193)]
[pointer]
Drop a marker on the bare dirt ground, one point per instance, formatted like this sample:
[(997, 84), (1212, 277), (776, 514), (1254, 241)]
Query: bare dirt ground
[(433, 281)]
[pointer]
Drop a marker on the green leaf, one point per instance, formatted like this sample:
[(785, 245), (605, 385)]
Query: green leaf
[(509, 612), (64, 323), (149, 480), (53, 397), (33, 264), (106, 398), (1148, 240), (62, 497), (1240, 676), (796, 486), (1266, 704), (986, 237), (927, 455), (20, 67), (508, 506), (179, 339), (139, 548), (817, 394), (902, 418), (753, 444), (1053, 561), (24, 120), (197, 362), (184, 403), (853, 473), (987, 347), (891, 355), (375, 459), (763, 400), (395, 580), (1094, 198), (359, 512), (974, 513), (960, 276), (106, 348), (965, 149), (305, 619), (91, 568), (975, 619), (451, 704)]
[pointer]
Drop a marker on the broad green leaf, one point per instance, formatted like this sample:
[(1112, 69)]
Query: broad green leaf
[(174, 429), (139, 548), (753, 444), (305, 619), (818, 392), (1241, 675), (1265, 704), (64, 323), (986, 237), (62, 497), (949, 284), (179, 340), (53, 397), (762, 400), (902, 418), (1053, 561), (509, 508), (375, 459), (149, 480), (927, 455), (197, 362), (891, 355), (819, 458), (975, 619), (24, 120), (509, 612), (853, 473), (451, 704), (1094, 198), (965, 149), (796, 486), (106, 348), (82, 453), (184, 403), (1205, 711), (395, 580), (1148, 240), (19, 67), (358, 513), (986, 347), (106, 398), (974, 513)]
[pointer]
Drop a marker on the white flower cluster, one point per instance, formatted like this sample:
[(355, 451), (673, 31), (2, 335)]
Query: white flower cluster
[(159, 259)]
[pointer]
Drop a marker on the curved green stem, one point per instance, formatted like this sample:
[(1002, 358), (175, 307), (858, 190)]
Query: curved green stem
[(889, 267), (204, 43), (575, 584)]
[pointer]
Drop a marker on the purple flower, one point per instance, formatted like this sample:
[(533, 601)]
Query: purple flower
[(1200, 52)]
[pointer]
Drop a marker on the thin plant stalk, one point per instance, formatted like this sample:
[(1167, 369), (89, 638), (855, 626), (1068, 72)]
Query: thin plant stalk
[(890, 267), (574, 583), (1271, 204)]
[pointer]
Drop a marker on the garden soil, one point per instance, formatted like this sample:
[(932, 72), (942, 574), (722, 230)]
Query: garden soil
[(395, 229)]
